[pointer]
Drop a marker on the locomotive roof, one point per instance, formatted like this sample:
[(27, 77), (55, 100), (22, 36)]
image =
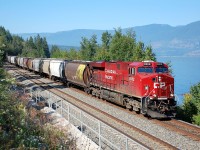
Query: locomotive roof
[(147, 64)]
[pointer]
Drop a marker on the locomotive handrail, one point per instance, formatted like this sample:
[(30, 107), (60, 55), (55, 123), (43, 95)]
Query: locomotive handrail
[(148, 94)]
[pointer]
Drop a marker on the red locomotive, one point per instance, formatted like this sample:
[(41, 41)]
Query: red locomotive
[(145, 87)]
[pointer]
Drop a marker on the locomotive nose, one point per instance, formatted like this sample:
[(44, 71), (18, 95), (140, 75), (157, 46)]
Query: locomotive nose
[(163, 86)]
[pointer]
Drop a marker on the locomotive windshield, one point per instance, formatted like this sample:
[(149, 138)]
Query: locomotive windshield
[(161, 70), (151, 70), (145, 70)]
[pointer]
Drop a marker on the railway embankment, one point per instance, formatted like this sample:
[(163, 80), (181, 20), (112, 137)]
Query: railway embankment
[(49, 118)]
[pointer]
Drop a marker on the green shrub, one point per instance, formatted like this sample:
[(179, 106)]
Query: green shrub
[(18, 129)]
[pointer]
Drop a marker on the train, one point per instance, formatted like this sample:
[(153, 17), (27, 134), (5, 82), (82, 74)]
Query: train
[(146, 87)]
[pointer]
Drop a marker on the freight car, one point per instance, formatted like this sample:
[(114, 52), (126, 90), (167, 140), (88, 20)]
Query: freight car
[(36, 65), (21, 62), (145, 87), (78, 72), (56, 68), (30, 64), (18, 62), (9, 59), (44, 67), (12, 59)]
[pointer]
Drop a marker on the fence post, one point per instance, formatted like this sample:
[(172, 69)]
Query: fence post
[(126, 143), (39, 96), (61, 107), (56, 104), (68, 112), (49, 100), (36, 96), (81, 122), (31, 90), (99, 135), (24, 90)]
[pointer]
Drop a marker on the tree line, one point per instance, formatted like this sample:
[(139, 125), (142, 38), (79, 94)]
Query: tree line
[(122, 47), (119, 46), (16, 45)]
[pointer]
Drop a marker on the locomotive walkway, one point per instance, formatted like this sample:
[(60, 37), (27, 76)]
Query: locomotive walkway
[(146, 139)]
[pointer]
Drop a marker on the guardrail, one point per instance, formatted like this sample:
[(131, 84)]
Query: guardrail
[(100, 133)]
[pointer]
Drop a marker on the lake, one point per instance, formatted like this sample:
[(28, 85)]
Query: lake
[(186, 71)]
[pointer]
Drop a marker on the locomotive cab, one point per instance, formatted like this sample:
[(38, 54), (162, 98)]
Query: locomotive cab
[(156, 90)]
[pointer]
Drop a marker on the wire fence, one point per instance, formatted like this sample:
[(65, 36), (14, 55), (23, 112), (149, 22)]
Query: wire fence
[(100, 133)]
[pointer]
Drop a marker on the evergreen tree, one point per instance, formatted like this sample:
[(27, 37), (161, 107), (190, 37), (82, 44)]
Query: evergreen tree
[(58, 53), (36, 47), (149, 55), (39, 47), (84, 52), (30, 43), (106, 39), (30, 49), (92, 47), (55, 52), (102, 54), (5, 42), (190, 111), (138, 54), (72, 54), (1, 58), (88, 48), (115, 46), (17, 45), (122, 46), (46, 48)]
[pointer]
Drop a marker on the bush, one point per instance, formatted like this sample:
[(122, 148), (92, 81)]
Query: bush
[(190, 111), (196, 119), (17, 128)]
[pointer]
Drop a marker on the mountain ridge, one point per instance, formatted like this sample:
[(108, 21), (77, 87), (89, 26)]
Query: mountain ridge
[(164, 38)]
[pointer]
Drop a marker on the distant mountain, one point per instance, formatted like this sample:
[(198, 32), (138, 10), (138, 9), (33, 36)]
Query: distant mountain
[(165, 39)]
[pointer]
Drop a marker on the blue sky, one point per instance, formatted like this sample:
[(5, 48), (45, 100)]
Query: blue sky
[(34, 16)]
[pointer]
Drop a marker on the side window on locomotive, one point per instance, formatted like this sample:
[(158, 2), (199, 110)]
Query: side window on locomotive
[(145, 70), (131, 71)]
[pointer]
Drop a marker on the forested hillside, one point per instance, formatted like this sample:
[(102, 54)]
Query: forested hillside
[(15, 45)]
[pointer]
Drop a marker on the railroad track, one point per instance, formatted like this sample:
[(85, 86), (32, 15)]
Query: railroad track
[(183, 128), (177, 126), (130, 131)]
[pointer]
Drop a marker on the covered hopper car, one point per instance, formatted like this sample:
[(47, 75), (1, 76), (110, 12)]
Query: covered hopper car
[(78, 72), (56, 68), (30, 64)]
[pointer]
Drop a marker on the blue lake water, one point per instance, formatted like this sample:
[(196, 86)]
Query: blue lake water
[(186, 71)]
